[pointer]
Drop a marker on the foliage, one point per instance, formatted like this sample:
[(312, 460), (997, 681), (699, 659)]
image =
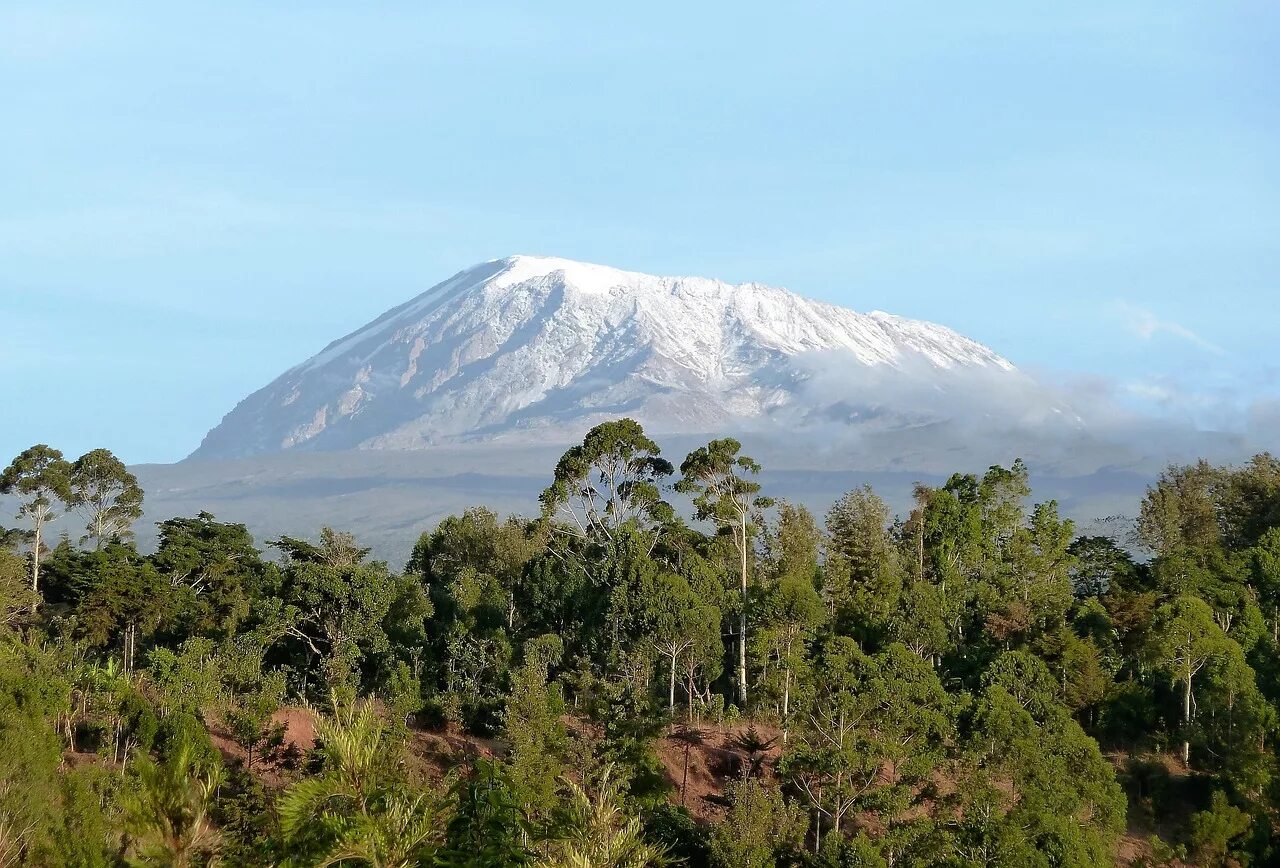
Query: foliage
[(940, 689), (760, 827), (593, 830), (359, 809), (103, 490), (1213, 830), (169, 817), (613, 479), (41, 479)]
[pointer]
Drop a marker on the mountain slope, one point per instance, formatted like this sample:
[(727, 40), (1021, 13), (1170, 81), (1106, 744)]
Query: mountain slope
[(533, 348)]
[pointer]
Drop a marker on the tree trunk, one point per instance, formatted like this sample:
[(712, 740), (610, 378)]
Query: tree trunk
[(130, 648), (786, 703), (1186, 721), (690, 687), (920, 550), (671, 699), (742, 621), (35, 561)]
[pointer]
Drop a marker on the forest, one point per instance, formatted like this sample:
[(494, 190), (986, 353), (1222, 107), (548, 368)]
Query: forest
[(664, 667)]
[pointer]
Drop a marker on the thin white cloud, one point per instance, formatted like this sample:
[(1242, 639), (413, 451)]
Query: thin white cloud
[(33, 32), (147, 225), (1146, 325)]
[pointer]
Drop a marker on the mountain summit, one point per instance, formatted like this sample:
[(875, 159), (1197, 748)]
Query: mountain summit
[(540, 348)]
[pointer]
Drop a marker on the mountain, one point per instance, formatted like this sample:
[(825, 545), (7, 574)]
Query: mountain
[(499, 367), (535, 349)]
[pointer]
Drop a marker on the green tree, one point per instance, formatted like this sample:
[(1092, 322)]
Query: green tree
[(534, 733), (190, 681), (341, 608), (1184, 639), (759, 827), (106, 494), (41, 478), (474, 646), (716, 477), (680, 624), (594, 830), (217, 575), (169, 818), (29, 758), (1264, 566), (613, 479), (790, 613), (49, 814), (1084, 679), (359, 809), (1023, 581), (487, 827), (1099, 564), (921, 621), (16, 596), (1039, 784), (123, 599), (1213, 830), (478, 541), (792, 545), (864, 578), (953, 547), (875, 726), (1180, 512), (249, 716)]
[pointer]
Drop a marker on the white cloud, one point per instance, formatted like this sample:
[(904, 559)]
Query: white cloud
[(39, 33), (181, 222), (1146, 325), (914, 414)]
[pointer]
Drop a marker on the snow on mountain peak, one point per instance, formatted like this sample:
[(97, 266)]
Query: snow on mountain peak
[(583, 276), (542, 346)]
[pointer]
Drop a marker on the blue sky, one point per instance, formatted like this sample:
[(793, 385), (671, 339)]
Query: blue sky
[(192, 199)]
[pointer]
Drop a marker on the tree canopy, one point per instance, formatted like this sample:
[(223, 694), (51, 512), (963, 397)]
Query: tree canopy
[(611, 682)]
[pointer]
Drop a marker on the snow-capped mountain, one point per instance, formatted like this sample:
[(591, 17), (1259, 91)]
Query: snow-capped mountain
[(539, 349)]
